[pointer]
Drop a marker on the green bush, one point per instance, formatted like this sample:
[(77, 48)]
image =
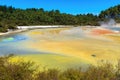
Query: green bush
[(3, 29), (23, 70), (103, 72), (15, 71), (72, 74), (50, 74)]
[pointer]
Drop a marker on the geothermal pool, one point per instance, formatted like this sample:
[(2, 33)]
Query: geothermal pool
[(62, 47)]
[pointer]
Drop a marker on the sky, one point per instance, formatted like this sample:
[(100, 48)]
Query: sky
[(65, 6)]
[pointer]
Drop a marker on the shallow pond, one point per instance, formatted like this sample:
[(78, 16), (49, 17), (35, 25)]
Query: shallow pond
[(66, 45)]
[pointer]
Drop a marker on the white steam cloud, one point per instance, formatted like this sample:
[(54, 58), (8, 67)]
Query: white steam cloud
[(77, 31), (108, 24)]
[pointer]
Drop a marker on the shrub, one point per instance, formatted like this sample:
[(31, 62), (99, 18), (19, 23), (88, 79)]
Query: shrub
[(3, 28), (72, 74), (50, 74), (102, 72), (15, 71), (22, 70), (118, 70)]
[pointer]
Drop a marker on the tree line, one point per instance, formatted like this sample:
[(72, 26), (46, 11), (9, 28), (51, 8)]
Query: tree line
[(11, 17), (112, 12)]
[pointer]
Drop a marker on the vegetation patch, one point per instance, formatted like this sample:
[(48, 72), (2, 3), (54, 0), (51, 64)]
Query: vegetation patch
[(22, 70)]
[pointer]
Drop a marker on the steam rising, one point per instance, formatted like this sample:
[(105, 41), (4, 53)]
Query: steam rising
[(110, 23), (73, 32)]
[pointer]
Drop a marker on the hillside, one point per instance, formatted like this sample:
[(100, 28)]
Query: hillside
[(11, 17), (112, 12)]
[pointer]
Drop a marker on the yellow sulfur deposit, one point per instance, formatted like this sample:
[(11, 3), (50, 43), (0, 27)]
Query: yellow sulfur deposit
[(75, 43)]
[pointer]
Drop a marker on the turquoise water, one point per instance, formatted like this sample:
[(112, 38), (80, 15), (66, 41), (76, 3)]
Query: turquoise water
[(14, 44), (115, 28), (13, 38)]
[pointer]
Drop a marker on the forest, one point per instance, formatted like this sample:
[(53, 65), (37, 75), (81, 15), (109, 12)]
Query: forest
[(11, 17), (112, 12)]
